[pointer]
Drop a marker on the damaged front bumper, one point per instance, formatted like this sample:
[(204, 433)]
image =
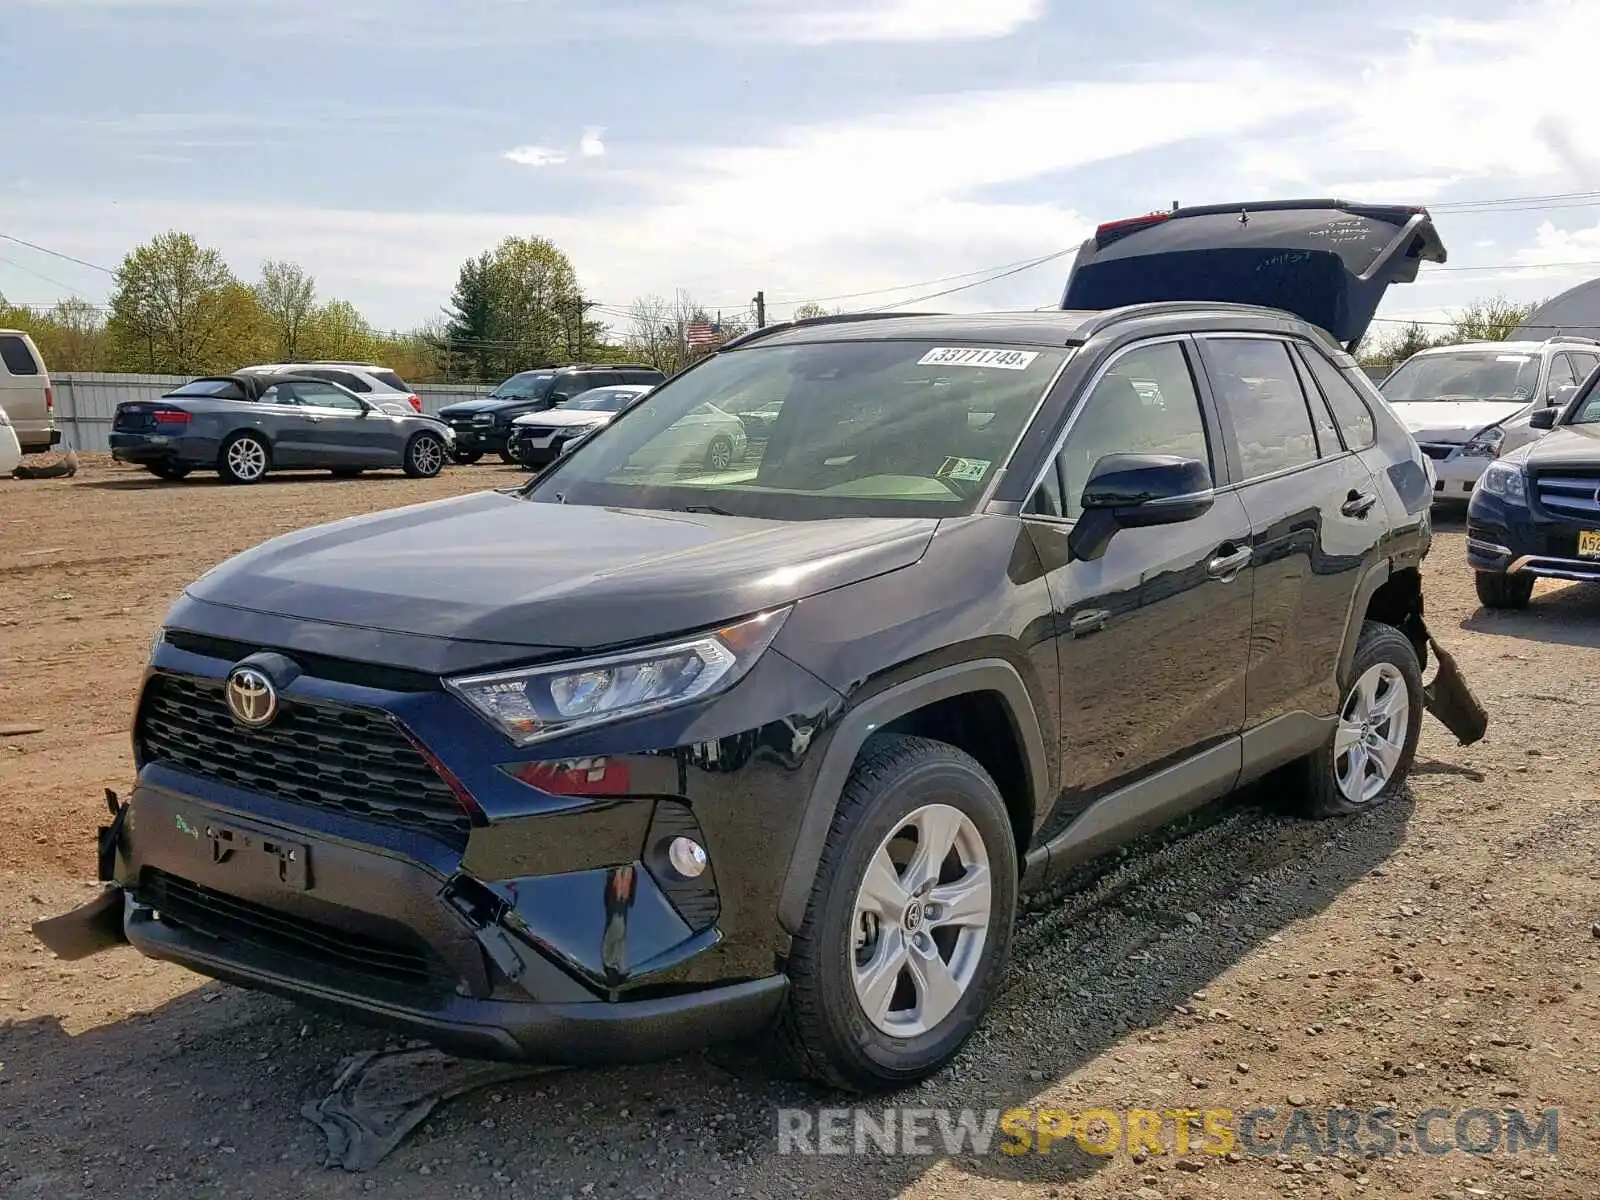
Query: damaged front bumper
[(483, 969)]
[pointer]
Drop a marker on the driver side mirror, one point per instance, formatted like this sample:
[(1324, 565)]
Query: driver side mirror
[(1545, 418), (1136, 491), (1558, 398)]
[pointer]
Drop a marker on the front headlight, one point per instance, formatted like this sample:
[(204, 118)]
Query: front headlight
[(538, 703), (1485, 443), (1505, 481)]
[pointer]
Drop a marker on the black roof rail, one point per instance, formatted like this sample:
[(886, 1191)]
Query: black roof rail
[(745, 339)]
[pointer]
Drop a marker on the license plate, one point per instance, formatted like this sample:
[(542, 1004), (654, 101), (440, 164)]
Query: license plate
[(1589, 543), (258, 855)]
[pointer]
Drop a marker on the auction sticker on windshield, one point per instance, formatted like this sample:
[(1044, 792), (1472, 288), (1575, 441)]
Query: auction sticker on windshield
[(978, 356)]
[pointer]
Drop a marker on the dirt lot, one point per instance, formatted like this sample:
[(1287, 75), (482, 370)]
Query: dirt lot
[(1440, 953)]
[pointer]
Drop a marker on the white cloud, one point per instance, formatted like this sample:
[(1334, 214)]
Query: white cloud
[(535, 156), (590, 146), (877, 20)]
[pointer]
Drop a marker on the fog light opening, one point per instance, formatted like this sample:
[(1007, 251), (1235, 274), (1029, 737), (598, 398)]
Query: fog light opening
[(687, 857)]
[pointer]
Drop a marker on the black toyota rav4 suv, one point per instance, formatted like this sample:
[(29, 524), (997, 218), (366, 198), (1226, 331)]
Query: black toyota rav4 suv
[(644, 754)]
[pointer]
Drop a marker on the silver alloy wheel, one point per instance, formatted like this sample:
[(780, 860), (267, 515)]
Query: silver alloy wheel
[(247, 459), (921, 920), (427, 455), (1373, 726), (720, 454)]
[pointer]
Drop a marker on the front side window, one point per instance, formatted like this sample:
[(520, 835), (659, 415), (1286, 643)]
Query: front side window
[(354, 382), (1463, 375), (859, 428), (1256, 383), (1589, 411), (1145, 404), (322, 395)]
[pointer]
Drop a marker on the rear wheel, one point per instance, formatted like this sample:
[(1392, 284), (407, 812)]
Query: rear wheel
[(1366, 761), (425, 455), (168, 470), (909, 923), (1497, 590), (467, 457), (245, 458)]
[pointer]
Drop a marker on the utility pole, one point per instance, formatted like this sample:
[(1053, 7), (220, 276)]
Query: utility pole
[(760, 302)]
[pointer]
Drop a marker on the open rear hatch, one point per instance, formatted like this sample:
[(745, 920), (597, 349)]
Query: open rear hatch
[(1326, 261)]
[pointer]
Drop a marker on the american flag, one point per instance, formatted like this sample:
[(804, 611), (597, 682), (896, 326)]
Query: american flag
[(702, 333)]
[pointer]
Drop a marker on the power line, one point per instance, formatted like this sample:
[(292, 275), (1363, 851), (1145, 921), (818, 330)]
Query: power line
[(55, 253), (1027, 266)]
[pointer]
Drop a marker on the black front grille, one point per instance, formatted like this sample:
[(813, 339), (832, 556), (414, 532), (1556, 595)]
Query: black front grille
[(1570, 492), (229, 919), (351, 761)]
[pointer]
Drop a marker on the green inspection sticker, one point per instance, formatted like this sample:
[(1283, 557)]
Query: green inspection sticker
[(967, 470)]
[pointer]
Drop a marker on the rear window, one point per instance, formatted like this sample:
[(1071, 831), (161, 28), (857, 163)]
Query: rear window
[(390, 379), (15, 354), (218, 389)]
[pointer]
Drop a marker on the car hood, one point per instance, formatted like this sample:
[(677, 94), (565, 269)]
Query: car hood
[(1453, 420), (493, 567), (1326, 261), (565, 417), (1564, 446), (467, 408)]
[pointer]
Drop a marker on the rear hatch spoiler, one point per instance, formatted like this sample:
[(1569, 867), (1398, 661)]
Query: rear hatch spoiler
[(1328, 262)]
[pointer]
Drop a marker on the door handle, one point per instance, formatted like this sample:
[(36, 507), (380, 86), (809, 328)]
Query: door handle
[(1225, 567), (1089, 621), (1358, 504)]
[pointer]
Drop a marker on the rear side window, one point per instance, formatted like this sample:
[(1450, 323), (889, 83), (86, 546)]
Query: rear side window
[(15, 354), (1257, 384), (354, 382), (1349, 409), (1321, 415), (217, 389), (388, 379)]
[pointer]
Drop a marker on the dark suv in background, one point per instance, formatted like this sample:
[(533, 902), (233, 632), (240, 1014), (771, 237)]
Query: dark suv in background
[(484, 426), (652, 752)]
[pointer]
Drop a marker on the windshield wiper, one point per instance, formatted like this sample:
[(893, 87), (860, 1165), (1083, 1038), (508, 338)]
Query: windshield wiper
[(712, 509)]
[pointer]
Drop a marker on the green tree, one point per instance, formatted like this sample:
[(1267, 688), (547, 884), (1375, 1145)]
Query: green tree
[(337, 330), (1491, 320), (72, 337), (287, 296), (171, 306), (812, 309), (514, 306)]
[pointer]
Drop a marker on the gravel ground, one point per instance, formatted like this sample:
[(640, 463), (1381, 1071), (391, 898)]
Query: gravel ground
[(1439, 953)]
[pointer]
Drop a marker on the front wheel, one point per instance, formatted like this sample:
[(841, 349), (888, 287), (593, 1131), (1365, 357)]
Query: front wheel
[(909, 922), (425, 456), (719, 454), (507, 457), (1366, 761), (245, 458), (1497, 590)]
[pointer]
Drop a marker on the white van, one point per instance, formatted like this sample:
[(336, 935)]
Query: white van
[(10, 452), (25, 392)]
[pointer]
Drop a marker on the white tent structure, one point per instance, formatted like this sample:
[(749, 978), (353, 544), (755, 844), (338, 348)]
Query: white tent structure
[(1574, 313)]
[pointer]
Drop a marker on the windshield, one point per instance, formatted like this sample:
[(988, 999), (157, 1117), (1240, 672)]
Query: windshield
[(530, 385), (893, 428), (222, 389), (1463, 375), (601, 400)]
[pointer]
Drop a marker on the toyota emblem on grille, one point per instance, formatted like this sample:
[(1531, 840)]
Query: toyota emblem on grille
[(252, 699)]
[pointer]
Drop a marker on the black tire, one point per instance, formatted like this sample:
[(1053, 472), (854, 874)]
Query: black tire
[(719, 453), (425, 455), (172, 471), (237, 451), (1498, 590), (824, 1030), (346, 472), (1319, 772), (508, 458), (466, 458)]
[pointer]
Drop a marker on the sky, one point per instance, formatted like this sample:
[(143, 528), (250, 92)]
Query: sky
[(863, 153)]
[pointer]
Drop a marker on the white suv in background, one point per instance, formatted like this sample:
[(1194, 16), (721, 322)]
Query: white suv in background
[(375, 384), (1469, 404), (25, 393)]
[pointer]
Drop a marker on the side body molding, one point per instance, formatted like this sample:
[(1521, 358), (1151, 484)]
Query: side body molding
[(865, 719)]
